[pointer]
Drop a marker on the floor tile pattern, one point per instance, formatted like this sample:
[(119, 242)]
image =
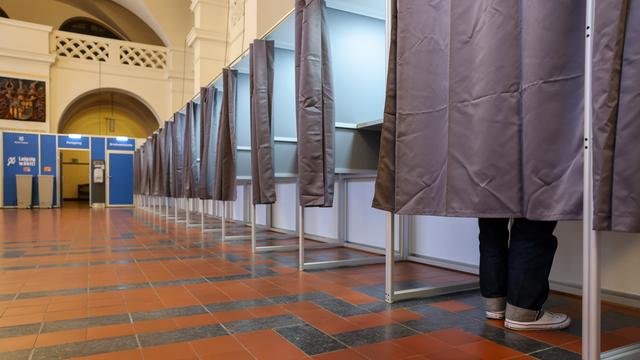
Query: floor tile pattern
[(129, 284)]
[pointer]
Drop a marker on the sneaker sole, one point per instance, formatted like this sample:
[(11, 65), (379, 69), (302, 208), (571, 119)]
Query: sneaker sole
[(494, 316), (539, 327)]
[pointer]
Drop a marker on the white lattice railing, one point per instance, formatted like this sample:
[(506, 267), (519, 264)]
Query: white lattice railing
[(91, 48)]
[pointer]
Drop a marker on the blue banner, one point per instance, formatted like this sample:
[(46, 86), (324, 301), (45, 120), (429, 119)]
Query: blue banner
[(20, 157), (97, 149), (121, 144), (48, 161), (73, 142)]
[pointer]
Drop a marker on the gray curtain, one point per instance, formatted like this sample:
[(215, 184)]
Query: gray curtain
[(484, 110), (208, 137), (225, 174), (314, 105), (168, 126), (136, 171), (178, 154), (191, 152), (143, 169), (148, 155), (616, 115), (164, 141), (261, 84), (156, 177)]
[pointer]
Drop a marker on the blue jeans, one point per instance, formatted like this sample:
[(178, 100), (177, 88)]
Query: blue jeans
[(516, 265)]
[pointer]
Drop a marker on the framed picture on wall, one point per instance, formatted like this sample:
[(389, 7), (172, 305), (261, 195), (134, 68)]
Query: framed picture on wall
[(22, 99)]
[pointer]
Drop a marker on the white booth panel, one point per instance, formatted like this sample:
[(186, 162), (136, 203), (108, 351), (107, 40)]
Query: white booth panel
[(323, 221), (367, 226), (261, 215), (283, 212), (451, 239)]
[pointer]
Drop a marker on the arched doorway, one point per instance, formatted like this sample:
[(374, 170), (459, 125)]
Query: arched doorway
[(108, 112), (105, 112)]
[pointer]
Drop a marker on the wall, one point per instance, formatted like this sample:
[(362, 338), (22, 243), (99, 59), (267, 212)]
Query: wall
[(74, 174), (71, 79), (55, 12), (24, 54)]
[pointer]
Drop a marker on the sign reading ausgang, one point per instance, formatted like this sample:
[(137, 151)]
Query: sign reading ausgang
[(73, 142)]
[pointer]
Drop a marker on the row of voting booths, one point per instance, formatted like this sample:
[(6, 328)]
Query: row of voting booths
[(342, 89)]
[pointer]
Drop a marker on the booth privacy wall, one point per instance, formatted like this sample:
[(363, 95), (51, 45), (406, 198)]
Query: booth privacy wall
[(225, 173), (616, 115), (208, 137), (261, 57), (314, 105), (484, 110)]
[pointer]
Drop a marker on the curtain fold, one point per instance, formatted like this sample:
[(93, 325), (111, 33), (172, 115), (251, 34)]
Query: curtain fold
[(178, 154), (136, 172), (156, 176), (314, 105), (616, 115), (483, 116), (164, 141), (208, 137), (191, 152), (261, 86), (148, 152), (225, 173)]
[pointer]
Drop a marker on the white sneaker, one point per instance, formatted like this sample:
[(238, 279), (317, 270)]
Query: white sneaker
[(495, 315), (548, 321)]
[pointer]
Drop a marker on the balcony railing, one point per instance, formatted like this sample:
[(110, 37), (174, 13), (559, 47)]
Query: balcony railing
[(92, 48)]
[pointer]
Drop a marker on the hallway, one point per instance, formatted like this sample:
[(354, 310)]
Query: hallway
[(123, 284)]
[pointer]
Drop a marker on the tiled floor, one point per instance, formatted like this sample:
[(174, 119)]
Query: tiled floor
[(125, 284)]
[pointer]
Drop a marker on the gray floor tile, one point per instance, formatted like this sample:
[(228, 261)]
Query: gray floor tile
[(340, 307), (85, 348), (273, 322), (374, 335), (556, 354), (310, 340)]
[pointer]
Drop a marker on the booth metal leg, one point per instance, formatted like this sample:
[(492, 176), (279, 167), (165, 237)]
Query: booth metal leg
[(224, 221), (342, 205), (392, 295), (591, 311), (187, 210), (202, 202), (253, 227), (175, 210), (303, 265)]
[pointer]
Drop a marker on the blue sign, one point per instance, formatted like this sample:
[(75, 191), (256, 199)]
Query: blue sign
[(20, 157), (48, 160), (123, 144), (73, 142)]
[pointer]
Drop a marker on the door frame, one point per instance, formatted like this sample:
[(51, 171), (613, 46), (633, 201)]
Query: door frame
[(59, 161), (108, 177)]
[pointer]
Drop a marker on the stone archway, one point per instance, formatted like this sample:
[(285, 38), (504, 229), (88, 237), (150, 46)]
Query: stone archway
[(108, 112)]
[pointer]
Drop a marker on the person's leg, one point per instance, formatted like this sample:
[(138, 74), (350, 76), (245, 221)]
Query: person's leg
[(494, 264), (531, 252)]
